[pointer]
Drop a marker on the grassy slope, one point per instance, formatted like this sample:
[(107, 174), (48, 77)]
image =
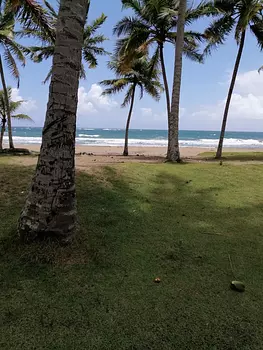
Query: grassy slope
[(240, 156), (138, 222)]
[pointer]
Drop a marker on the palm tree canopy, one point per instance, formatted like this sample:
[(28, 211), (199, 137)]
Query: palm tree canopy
[(13, 105), (10, 49), (31, 15), (237, 15), (141, 73), (92, 44), (155, 21)]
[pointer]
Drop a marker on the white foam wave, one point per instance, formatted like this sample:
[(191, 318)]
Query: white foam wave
[(85, 135), (95, 140)]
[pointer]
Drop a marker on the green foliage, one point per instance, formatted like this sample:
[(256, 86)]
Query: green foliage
[(91, 45), (13, 105), (11, 51), (141, 73), (144, 221), (154, 22), (237, 15)]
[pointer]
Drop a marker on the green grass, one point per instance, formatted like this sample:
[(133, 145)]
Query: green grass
[(137, 222), (240, 156)]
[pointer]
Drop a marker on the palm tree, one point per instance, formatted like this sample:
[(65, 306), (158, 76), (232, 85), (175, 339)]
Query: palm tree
[(13, 106), (153, 24), (238, 15), (174, 151), (141, 74), (10, 52), (30, 15), (91, 45), (50, 208)]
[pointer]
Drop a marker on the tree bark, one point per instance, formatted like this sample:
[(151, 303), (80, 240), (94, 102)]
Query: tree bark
[(7, 106), (50, 208), (126, 151), (174, 151), (230, 93), (166, 89), (2, 133)]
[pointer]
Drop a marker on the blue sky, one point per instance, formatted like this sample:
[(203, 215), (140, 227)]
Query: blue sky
[(204, 87)]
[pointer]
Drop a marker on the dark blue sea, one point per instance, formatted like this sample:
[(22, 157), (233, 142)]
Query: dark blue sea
[(114, 137)]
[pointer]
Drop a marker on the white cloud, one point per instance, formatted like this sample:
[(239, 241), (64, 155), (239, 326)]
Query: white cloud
[(146, 112), (27, 106), (93, 101), (246, 102)]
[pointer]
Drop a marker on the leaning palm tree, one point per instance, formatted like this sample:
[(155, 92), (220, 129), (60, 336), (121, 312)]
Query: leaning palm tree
[(91, 45), (13, 107), (141, 74), (50, 208), (174, 151), (10, 52), (153, 25), (237, 15)]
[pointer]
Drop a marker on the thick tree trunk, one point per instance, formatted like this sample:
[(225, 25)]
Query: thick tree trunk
[(126, 151), (50, 208), (9, 124), (166, 89), (230, 92), (2, 132), (174, 151)]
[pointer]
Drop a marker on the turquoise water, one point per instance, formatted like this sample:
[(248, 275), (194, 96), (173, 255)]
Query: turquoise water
[(114, 137)]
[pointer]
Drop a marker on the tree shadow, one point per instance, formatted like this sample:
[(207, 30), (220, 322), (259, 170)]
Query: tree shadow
[(138, 222)]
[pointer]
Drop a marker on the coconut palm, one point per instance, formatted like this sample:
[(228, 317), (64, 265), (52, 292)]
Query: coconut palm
[(13, 107), (50, 208), (154, 24), (142, 75), (30, 14), (91, 45), (10, 51), (174, 151), (237, 16)]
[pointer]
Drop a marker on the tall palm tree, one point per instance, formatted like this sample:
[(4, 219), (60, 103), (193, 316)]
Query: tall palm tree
[(174, 151), (91, 45), (10, 51), (153, 25), (50, 208), (13, 106), (237, 15), (141, 74), (30, 14)]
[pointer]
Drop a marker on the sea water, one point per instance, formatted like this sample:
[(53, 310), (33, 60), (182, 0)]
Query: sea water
[(151, 138)]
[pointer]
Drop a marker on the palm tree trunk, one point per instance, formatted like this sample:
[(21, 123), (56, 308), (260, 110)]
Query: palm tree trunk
[(166, 89), (50, 208), (11, 144), (230, 92), (125, 151), (174, 151), (2, 133)]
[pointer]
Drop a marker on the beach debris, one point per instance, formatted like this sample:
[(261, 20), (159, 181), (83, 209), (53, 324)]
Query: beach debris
[(188, 182), (237, 286), (157, 280)]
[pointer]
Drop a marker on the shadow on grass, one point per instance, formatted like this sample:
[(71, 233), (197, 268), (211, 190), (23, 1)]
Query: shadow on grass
[(136, 223)]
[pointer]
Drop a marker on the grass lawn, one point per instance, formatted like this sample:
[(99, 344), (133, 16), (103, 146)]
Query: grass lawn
[(180, 223), (240, 156)]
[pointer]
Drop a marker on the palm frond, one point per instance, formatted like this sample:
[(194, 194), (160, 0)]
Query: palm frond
[(128, 96), (22, 117)]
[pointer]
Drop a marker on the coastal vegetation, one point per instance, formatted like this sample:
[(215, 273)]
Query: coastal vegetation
[(147, 260)]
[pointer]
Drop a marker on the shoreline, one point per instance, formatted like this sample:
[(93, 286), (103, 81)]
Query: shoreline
[(156, 151)]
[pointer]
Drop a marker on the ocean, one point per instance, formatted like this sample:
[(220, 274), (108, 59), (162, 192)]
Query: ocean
[(151, 138)]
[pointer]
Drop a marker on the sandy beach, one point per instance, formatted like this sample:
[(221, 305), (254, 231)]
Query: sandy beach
[(99, 155)]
